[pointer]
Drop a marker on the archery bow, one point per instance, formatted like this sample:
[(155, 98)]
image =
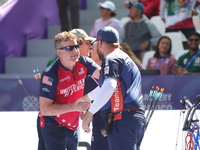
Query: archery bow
[(190, 124)]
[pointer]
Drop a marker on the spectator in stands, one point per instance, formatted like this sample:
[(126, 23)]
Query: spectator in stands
[(126, 48), (139, 33), (162, 59), (83, 40), (63, 7), (179, 15), (151, 7), (108, 13), (189, 63)]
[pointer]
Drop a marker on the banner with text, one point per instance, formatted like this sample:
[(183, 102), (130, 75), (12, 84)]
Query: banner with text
[(24, 97)]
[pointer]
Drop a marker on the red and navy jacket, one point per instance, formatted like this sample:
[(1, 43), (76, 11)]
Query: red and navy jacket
[(128, 93), (63, 86)]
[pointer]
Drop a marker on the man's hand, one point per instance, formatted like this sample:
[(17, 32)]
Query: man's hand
[(144, 45), (194, 13), (163, 19), (82, 114), (182, 71), (86, 122), (125, 4), (82, 104)]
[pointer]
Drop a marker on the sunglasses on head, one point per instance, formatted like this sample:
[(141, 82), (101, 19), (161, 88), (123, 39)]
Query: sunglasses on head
[(196, 40), (69, 48)]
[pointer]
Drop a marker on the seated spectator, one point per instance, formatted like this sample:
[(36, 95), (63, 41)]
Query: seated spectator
[(189, 63), (151, 7), (139, 33), (127, 49), (108, 13), (179, 15), (162, 59), (83, 40)]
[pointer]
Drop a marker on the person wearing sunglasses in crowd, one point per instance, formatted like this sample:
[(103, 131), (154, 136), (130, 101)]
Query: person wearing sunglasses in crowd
[(62, 83), (189, 63)]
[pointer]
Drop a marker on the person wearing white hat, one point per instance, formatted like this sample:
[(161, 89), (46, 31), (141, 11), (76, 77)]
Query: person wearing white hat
[(108, 13)]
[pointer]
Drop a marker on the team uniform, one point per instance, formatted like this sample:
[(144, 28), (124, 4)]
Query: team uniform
[(63, 87), (167, 65), (98, 142), (194, 65), (127, 128)]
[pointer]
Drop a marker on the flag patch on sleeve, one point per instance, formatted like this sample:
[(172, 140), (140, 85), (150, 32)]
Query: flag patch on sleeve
[(106, 70), (80, 71), (47, 80)]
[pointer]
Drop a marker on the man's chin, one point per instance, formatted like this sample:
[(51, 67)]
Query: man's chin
[(194, 49)]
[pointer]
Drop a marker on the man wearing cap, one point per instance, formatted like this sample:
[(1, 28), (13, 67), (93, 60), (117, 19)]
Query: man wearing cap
[(119, 98), (108, 13), (139, 33), (83, 40), (98, 142), (151, 7)]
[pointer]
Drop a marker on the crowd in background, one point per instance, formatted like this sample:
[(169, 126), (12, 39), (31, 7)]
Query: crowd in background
[(140, 35), (108, 40)]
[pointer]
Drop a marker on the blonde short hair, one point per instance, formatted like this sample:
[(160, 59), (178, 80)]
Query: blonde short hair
[(63, 36)]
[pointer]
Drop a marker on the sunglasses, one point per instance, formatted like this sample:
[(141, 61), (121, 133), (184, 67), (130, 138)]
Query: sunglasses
[(195, 40), (69, 48)]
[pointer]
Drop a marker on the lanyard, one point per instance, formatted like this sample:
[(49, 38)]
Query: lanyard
[(161, 60), (189, 62)]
